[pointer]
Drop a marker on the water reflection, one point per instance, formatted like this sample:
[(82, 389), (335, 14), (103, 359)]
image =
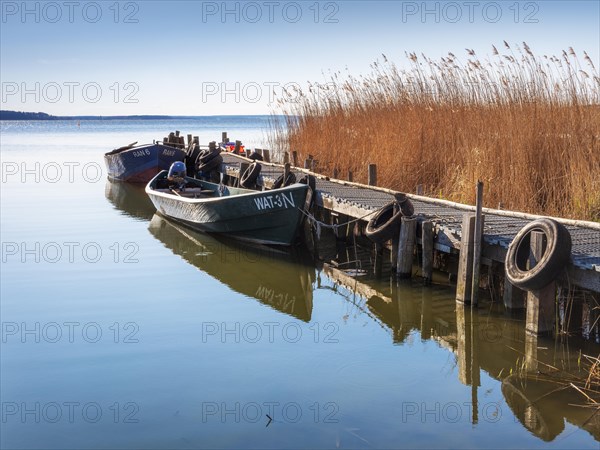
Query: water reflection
[(130, 199), (484, 341), (281, 279)]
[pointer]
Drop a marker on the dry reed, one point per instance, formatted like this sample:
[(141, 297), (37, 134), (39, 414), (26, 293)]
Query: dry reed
[(527, 126)]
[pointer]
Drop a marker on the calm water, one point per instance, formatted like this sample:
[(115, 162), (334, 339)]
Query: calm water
[(123, 330)]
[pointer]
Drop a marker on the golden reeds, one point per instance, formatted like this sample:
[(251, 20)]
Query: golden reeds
[(528, 126)]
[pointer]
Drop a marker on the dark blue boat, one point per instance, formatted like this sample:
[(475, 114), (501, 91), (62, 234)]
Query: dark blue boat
[(139, 163)]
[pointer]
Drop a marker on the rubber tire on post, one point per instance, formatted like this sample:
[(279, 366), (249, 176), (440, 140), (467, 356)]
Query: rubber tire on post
[(406, 206), (207, 155), (211, 164), (555, 258), (291, 179), (190, 161), (385, 223), (250, 175)]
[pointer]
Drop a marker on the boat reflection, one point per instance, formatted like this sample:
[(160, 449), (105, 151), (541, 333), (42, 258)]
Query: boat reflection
[(130, 199), (281, 279), (483, 341)]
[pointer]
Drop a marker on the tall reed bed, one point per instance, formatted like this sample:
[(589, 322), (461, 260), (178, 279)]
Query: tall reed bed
[(527, 126)]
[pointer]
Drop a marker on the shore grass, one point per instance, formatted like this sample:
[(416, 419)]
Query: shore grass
[(527, 126)]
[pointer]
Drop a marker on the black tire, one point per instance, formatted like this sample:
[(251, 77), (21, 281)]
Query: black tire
[(385, 223), (207, 155), (210, 164), (406, 206), (555, 258), (291, 179), (250, 175), (190, 161), (256, 157)]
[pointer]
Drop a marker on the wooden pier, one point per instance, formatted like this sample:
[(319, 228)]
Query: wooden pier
[(469, 243)]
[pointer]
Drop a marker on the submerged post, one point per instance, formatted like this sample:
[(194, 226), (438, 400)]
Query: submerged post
[(465, 260), (406, 246), (477, 241), (427, 250), (541, 303)]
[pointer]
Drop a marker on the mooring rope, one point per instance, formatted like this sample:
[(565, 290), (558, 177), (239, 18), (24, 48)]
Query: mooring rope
[(314, 222)]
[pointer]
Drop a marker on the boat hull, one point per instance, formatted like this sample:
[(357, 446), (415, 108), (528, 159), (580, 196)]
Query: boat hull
[(268, 217), (139, 164)]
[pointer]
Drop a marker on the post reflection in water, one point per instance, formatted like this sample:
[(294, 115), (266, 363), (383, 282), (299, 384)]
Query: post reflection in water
[(281, 279), (484, 340), (130, 199)]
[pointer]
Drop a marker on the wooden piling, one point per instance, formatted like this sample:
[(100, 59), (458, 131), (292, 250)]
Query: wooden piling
[(237, 148), (248, 153), (372, 178), (512, 297), (266, 154), (224, 138), (177, 133), (189, 140), (541, 304), (406, 244), (286, 158), (465, 260), (307, 163), (335, 173), (419, 189), (477, 244), (378, 259), (427, 250), (295, 158), (243, 167), (350, 177), (313, 165), (286, 171)]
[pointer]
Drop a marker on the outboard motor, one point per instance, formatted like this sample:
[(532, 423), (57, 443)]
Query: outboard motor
[(176, 175)]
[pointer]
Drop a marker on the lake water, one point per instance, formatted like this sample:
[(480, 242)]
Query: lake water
[(123, 330)]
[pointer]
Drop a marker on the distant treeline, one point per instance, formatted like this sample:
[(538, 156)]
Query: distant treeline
[(19, 115)]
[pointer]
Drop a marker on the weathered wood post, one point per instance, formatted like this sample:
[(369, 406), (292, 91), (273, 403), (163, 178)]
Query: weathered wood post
[(406, 246), (313, 165), (237, 148), (286, 158), (307, 163), (189, 140), (512, 296), (419, 189), (465, 260), (477, 244), (286, 171), (197, 140), (295, 158), (378, 259), (224, 138), (335, 173), (267, 156), (427, 250), (350, 177), (541, 304), (372, 178)]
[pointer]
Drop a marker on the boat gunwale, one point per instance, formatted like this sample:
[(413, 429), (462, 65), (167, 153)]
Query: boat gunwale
[(151, 191)]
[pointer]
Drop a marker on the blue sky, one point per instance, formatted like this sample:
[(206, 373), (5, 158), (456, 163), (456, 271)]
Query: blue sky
[(208, 58)]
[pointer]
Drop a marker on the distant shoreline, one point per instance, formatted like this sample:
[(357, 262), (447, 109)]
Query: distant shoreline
[(18, 115)]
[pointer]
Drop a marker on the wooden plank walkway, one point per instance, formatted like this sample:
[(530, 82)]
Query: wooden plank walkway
[(501, 226)]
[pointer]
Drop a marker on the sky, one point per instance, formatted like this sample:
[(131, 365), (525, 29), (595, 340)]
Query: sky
[(213, 58)]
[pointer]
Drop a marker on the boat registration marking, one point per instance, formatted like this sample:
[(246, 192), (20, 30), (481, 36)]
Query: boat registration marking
[(168, 152), (280, 200), (138, 153)]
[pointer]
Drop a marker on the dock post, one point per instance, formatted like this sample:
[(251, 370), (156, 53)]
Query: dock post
[(295, 158), (286, 158), (313, 165), (266, 156), (465, 260), (406, 247), (378, 259), (286, 171), (248, 153), (419, 189), (307, 163), (541, 304), (477, 244), (350, 178), (189, 140), (236, 149), (224, 138), (372, 179), (427, 250), (512, 297), (394, 252), (335, 173), (196, 141)]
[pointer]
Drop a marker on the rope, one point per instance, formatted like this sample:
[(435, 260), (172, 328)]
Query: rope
[(318, 224)]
